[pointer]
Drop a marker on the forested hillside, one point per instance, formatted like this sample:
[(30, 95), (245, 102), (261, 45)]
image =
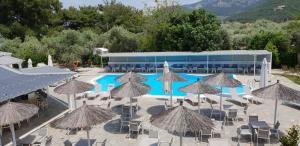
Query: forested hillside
[(33, 29), (276, 10)]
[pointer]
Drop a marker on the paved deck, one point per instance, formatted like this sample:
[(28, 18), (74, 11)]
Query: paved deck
[(149, 105)]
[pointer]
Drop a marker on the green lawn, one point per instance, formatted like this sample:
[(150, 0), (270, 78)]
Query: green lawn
[(295, 79)]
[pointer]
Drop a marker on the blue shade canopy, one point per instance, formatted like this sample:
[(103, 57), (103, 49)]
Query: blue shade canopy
[(45, 70), (14, 83), (7, 60)]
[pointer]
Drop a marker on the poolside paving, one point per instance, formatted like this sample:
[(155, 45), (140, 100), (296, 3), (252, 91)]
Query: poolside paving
[(149, 105)]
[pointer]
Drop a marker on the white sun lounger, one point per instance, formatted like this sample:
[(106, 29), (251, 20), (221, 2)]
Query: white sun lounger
[(193, 98), (296, 104), (238, 100), (253, 99), (213, 98), (92, 95)]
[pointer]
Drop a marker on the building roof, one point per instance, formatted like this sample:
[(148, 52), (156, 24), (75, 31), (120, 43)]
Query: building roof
[(7, 60), (204, 53), (14, 83), (4, 53), (45, 70)]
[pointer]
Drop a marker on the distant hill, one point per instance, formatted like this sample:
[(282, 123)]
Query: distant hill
[(223, 7), (276, 10)]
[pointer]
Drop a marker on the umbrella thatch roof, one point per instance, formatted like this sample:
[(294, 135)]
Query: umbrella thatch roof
[(171, 76), (223, 80), (199, 87), (130, 89), (277, 91), (73, 87), (13, 112), (84, 117), (181, 119), (131, 76)]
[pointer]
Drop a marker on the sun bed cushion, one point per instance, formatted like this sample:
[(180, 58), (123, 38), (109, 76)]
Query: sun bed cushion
[(238, 99), (253, 98)]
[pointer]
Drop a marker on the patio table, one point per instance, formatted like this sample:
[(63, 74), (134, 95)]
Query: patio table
[(218, 142), (259, 125)]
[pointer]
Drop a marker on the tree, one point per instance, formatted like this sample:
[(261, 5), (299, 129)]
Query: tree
[(287, 55), (27, 17), (275, 54), (117, 14), (119, 39), (33, 49), (69, 46), (82, 18), (194, 31), (296, 44)]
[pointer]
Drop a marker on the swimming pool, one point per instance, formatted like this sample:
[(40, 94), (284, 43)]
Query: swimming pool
[(156, 86)]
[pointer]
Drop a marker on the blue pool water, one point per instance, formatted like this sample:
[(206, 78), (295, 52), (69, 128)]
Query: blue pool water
[(156, 86)]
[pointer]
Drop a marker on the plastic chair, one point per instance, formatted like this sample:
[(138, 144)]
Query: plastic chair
[(275, 131), (232, 114), (263, 134), (244, 130)]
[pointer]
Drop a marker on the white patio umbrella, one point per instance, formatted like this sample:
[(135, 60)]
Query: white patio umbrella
[(29, 62), (166, 84), (50, 63), (263, 82)]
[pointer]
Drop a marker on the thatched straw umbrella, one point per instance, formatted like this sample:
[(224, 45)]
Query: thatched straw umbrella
[(180, 119), (171, 77), (198, 88), (84, 117), (13, 112), (222, 80), (73, 87), (129, 90), (131, 75), (277, 92)]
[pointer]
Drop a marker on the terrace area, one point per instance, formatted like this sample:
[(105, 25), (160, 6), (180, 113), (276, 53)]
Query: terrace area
[(150, 105)]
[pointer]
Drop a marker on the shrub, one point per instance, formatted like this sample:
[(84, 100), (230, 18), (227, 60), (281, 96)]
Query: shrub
[(292, 138)]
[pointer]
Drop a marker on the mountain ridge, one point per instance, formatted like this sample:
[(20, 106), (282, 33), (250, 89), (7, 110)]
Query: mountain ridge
[(250, 10)]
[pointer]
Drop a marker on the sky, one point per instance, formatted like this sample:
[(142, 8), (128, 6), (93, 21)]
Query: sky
[(135, 3)]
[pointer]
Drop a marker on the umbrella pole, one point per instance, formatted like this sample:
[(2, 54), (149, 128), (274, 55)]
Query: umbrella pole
[(199, 103), (88, 137), (275, 112), (0, 136), (12, 129), (180, 138), (69, 100), (130, 107), (171, 93), (221, 96), (74, 101)]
